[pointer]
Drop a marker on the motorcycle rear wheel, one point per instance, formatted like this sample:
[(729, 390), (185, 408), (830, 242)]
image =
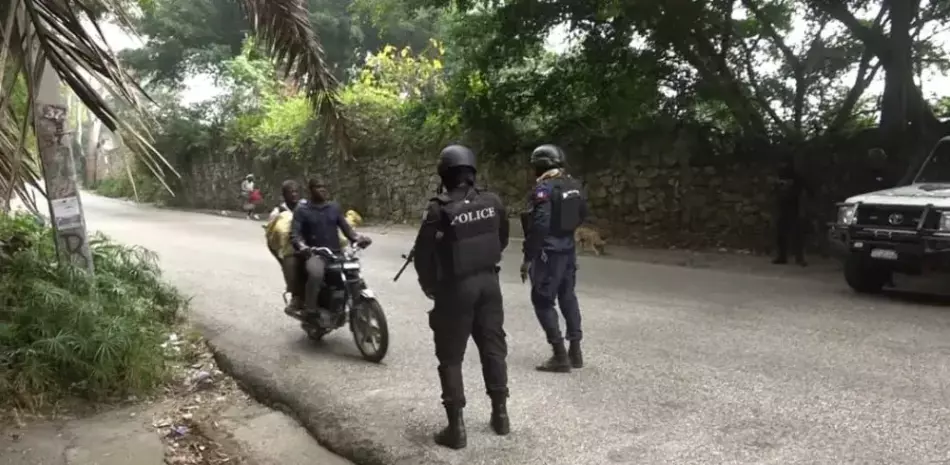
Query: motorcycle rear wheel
[(370, 330)]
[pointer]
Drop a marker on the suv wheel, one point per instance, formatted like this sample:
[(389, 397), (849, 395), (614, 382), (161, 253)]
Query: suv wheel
[(865, 276)]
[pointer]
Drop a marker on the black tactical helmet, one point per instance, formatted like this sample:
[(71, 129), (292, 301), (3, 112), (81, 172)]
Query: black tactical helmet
[(548, 157), (455, 156)]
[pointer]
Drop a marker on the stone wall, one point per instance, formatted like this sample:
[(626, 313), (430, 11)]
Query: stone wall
[(657, 194)]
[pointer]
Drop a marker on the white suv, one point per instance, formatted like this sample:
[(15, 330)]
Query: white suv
[(905, 229)]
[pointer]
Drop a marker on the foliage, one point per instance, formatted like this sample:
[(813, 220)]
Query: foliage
[(746, 77), (65, 332), (75, 52), (118, 187), (398, 101), (194, 36), (269, 112)]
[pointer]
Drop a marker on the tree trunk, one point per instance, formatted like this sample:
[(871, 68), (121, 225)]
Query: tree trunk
[(907, 121), (896, 111), (59, 172), (92, 152)]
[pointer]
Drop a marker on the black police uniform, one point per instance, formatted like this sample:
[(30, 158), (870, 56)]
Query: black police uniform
[(456, 255), (789, 231), (556, 207)]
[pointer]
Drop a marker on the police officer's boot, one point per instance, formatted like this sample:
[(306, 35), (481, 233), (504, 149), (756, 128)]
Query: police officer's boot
[(453, 436), (559, 362), (499, 417), (575, 354)]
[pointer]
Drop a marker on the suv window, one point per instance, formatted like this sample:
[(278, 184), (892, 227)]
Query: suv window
[(937, 167)]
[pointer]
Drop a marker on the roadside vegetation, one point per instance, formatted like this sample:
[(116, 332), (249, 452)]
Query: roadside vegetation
[(65, 333)]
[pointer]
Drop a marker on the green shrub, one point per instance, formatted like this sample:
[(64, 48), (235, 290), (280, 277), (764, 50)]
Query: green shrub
[(64, 332), (119, 187)]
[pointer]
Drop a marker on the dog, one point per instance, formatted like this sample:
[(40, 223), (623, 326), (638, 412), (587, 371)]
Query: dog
[(353, 219), (587, 238)]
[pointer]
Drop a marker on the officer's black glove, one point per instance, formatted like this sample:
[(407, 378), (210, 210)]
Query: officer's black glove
[(525, 269)]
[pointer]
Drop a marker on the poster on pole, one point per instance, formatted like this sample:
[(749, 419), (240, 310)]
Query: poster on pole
[(66, 213)]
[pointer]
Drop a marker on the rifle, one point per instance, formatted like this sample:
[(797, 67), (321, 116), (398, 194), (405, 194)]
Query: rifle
[(408, 258)]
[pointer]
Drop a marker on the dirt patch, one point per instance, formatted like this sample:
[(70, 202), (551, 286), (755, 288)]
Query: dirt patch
[(197, 396)]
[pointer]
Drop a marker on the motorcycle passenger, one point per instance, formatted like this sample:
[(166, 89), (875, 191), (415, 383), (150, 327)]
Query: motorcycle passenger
[(278, 241), (458, 249), (556, 207), (315, 225)]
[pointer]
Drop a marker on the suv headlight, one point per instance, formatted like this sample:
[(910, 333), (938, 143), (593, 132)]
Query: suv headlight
[(846, 215), (944, 221)]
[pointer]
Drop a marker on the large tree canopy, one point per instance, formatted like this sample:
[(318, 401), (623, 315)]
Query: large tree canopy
[(188, 36)]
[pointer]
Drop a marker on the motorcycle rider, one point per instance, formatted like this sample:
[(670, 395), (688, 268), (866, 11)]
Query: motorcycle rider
[(315, 225), (278, 241), (556, 207), (457, 252)]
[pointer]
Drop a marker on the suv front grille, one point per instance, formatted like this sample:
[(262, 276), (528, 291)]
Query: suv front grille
[(893, 216)]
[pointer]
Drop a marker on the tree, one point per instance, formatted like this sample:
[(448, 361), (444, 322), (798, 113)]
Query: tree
[(45, 35), (187, 36), (908, 121)]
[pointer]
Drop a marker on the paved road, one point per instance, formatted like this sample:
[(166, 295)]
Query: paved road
[(686, 366)]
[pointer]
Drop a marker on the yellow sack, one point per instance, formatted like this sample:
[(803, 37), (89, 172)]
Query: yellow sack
[(353, 219), (277, 233)]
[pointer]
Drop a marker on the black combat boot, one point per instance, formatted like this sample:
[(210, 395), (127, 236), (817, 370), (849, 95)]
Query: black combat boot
[(575, 354), (499, 417), (453, 436), (558, 363)]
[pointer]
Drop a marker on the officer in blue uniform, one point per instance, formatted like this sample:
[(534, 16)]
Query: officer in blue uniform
[(457, 251), (556, 207)]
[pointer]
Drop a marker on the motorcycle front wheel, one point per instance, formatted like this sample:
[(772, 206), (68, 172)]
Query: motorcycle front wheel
[(370, 330)]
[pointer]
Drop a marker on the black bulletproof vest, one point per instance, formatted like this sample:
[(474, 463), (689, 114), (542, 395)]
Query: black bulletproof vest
[(566, 203), (469, 242)]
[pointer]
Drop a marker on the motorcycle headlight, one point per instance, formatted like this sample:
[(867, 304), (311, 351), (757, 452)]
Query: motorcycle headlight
[(846, 214), (944, 221)]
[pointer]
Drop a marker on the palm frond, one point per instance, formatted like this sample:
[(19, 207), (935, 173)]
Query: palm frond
[(38, 35), (285, 30)]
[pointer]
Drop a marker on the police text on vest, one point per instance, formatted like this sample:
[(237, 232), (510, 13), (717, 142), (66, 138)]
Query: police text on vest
[(471, 217)]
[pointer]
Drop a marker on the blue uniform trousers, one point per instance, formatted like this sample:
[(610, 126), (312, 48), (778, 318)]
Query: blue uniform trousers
[(553, 276)]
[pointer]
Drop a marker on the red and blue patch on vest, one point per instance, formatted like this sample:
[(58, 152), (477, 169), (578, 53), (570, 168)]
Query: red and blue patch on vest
[(541, 194)]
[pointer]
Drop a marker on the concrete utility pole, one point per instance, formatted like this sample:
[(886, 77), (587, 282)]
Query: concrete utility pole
[(59, 171)]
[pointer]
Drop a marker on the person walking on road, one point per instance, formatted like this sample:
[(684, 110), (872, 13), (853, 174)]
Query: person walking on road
[(250, 196), (457, 251), (556, 207)]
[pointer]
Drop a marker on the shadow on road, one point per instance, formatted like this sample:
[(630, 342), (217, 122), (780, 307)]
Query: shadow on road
[(334, 345)]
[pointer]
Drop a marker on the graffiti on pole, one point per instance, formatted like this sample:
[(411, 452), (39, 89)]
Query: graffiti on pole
[(59, 168)]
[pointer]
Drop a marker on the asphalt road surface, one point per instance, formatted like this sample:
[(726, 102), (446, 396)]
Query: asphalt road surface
[(684, 366)]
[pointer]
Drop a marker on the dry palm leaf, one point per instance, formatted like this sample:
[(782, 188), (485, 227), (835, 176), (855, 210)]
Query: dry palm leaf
[(50, 34)]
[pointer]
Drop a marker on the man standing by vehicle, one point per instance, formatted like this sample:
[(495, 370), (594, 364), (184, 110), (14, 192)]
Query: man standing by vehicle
[(277, 232), (315, 225), (464, 232), (789, 231), (556, 207)]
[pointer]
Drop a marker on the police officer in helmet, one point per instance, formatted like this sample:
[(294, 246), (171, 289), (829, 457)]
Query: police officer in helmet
[(556, 207), (457, 252)]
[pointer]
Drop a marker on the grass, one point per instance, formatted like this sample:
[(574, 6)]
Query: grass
[(65, 333)]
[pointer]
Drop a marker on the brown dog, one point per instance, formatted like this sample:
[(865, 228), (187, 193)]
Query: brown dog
[(587, 238)]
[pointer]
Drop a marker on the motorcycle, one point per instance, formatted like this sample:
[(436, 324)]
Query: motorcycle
[(346, 295)]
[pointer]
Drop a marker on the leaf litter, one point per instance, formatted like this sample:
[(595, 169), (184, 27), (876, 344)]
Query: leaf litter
[(197, 395)]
